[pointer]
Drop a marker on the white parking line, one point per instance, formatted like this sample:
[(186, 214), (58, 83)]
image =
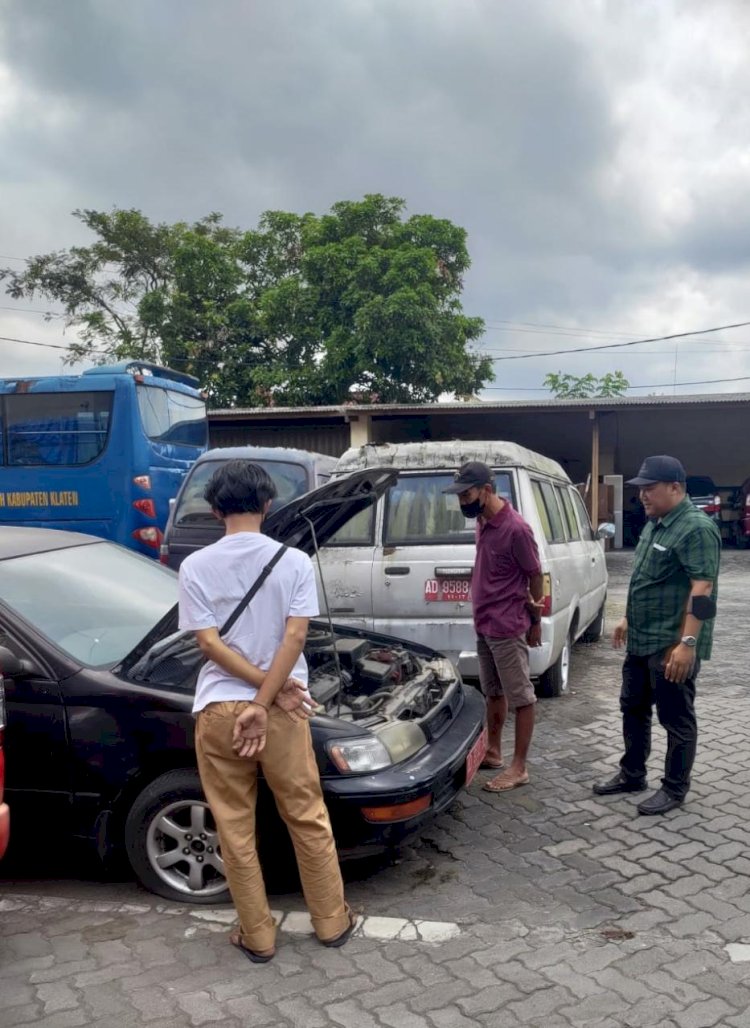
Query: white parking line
[(297, 922), (218, 919)]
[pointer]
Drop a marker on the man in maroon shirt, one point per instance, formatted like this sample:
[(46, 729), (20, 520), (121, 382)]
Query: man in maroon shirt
[(506, 589)]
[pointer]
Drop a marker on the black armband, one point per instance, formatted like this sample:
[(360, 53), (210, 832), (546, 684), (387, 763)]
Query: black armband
[(703, 608)]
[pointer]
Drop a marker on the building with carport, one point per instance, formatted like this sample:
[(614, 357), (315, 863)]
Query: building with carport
[(595, 440)]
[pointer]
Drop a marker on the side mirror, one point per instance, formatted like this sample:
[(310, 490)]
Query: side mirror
[(12, 666), (606, 531)]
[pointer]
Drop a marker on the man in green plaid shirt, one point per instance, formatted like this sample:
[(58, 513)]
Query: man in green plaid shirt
[(668, 631)]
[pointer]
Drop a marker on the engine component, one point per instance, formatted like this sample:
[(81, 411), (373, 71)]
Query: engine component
[(371, 675), (323, 687), (350, 651)]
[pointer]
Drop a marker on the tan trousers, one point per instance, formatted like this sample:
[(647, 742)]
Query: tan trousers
[(231, 787)]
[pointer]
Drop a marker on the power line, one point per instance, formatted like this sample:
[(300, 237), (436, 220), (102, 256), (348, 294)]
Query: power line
[(510, 389), (615, 346)]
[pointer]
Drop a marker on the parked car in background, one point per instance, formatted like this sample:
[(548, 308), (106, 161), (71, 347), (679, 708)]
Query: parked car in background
[(404, 566), (705, 496), (191, 524), (741, 522), (99, 690), (4, 809)]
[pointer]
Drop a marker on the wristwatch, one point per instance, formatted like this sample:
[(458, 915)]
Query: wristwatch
[(689, 640)]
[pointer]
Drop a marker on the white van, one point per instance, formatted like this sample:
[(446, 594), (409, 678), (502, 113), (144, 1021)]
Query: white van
[(403, 567)]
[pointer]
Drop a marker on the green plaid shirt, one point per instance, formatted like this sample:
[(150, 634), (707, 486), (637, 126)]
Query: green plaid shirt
[(681, 547)]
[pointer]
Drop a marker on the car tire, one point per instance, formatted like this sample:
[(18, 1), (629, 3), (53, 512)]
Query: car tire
[(172, 843), (555, 680), (596, 629)]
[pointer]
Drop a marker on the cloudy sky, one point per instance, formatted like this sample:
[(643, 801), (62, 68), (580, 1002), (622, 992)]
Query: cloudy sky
[(598, 153)]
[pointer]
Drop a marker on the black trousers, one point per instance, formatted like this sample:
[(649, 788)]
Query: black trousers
[(643, 685)]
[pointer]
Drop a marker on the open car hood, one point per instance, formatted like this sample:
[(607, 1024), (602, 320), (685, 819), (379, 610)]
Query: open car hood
[(310, 519), (318, 515)]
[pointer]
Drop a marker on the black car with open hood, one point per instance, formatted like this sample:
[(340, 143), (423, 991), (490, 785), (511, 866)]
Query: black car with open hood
[(99, 736)]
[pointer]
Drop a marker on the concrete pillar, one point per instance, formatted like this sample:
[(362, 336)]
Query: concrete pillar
[(360, 429)]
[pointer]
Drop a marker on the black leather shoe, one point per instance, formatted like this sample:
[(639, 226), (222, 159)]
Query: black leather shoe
[(618, 784), (660, 803)]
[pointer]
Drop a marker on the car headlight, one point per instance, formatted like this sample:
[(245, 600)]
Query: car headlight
[(444, 669), (359, 754), (402, 739)]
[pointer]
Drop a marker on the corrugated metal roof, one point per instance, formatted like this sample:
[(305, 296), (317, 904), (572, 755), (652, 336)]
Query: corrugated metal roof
[(390, 409)]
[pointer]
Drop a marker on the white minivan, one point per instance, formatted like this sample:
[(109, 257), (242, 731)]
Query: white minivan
[(403, 567)]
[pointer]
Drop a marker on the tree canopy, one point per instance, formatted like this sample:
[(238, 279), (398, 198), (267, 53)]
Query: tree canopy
[(358, 305)]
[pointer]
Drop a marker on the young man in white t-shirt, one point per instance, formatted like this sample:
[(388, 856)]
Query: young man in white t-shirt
[(250, 712)]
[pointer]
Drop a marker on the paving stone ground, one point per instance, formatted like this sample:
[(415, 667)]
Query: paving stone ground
[(573, 910)]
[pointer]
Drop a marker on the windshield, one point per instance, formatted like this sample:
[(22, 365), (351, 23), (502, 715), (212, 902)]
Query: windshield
[(290, 481), (95, 602)]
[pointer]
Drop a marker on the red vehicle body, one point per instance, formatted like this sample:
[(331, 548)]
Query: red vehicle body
[(4, 811), (742, 527)]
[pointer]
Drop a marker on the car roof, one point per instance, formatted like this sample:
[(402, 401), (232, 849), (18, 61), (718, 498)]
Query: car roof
[(448, 454), (20, 542), (281, 453)]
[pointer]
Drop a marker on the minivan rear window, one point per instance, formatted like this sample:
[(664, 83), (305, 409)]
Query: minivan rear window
[(290, 480), (419, 513)]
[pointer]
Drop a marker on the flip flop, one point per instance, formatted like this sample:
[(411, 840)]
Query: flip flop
[(345, 935), (489, 765), (503, 783), (256, 958)]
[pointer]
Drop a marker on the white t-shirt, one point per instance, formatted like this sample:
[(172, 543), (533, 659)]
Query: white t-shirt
[(212, 583)]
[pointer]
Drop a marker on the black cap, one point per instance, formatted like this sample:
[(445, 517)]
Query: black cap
[(473, 473), (659, 469)]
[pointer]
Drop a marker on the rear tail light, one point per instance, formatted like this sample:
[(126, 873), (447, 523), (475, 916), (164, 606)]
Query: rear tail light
[(164, 554), (714, 507), (546, 595), (147, 507), (142, 481), (149, 537)]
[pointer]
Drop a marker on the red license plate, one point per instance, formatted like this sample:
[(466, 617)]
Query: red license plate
[(476, 756), (445, 590)]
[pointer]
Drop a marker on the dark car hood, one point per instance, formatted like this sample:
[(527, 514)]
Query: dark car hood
[(314, 517)]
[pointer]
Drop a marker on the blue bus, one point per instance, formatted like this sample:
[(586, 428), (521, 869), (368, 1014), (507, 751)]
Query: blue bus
[(101, 452)]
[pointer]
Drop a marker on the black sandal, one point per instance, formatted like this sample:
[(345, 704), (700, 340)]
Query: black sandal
[(256, 958), (345, 935)]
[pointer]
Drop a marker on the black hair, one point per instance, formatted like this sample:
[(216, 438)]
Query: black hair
[(239, 487)]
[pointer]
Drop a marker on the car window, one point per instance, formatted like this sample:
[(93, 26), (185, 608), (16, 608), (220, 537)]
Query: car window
[(360, 531), (553, 512), (583, 516), (95, 602), (169, 416), (290, 480), (419, 513), (541, 509), (569, 514)]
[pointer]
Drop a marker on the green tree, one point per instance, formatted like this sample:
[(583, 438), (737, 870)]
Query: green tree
[(574, 387), (358, 305)]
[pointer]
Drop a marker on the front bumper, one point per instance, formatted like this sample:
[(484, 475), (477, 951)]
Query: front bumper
[(439, 770)]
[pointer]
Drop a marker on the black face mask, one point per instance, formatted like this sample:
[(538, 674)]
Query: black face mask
[(473, 509)]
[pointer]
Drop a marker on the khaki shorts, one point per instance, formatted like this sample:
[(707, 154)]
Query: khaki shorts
[(504, 670)]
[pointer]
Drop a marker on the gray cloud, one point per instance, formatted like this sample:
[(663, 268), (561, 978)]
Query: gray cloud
[(594, 151)]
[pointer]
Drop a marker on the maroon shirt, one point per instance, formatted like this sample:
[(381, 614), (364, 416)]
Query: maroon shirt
[(507, 557)]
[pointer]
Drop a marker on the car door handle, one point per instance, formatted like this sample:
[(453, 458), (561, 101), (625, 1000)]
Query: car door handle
[(396, 569)]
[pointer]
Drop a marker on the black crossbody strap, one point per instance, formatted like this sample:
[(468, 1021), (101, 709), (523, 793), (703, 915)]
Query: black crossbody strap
[(253, 589)]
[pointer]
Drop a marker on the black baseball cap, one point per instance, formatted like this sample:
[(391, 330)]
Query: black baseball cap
[(659, 469), (473, 473)]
